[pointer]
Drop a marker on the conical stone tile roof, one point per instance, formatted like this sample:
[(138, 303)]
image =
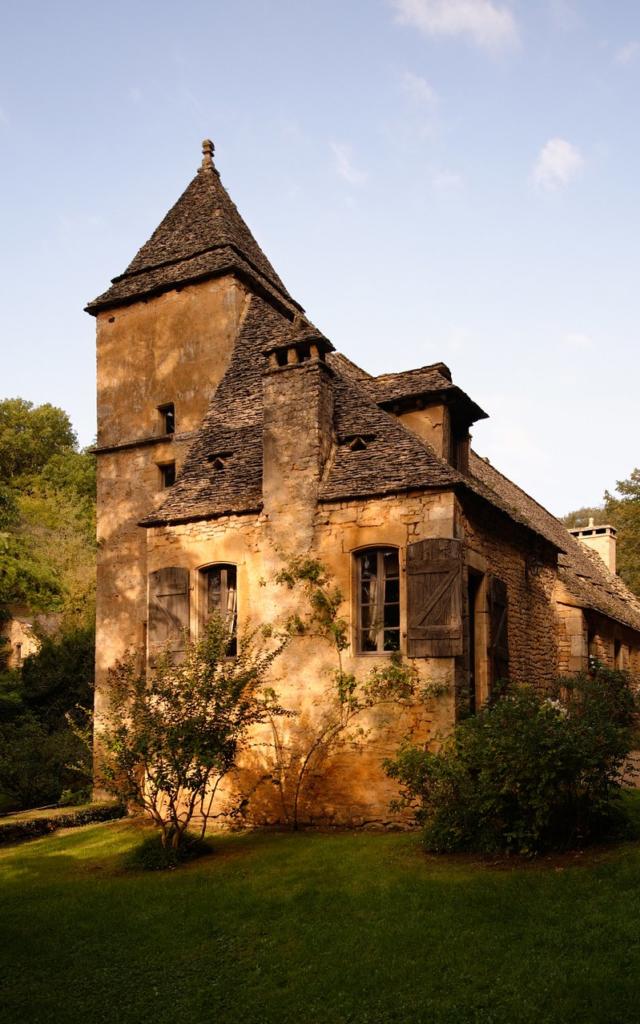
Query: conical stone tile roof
[(202, 235)]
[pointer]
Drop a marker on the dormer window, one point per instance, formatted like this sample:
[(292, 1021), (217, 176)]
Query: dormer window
[(168, 418), (357, 442), (219, 460)]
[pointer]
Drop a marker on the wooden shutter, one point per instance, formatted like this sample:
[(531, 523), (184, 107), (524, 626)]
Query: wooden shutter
[(168, 609), (434, 598), (498, 629)]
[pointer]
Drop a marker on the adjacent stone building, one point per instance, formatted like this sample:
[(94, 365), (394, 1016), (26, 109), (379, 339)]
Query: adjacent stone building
[(232, 436)]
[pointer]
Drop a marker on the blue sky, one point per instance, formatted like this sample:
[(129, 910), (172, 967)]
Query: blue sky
[(450, 180)]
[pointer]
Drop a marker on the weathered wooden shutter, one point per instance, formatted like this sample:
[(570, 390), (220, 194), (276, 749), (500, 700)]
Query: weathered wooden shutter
[(434, 598), (168, 610), (498, 629)]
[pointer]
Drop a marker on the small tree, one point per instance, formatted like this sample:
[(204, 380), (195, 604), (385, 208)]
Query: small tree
[(169, 737)]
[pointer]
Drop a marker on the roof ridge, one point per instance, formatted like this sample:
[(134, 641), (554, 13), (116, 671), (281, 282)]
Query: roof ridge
[(437, 367), (486, 461), (583, 571)]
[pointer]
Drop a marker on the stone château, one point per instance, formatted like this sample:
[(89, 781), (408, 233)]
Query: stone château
[(232, 436)]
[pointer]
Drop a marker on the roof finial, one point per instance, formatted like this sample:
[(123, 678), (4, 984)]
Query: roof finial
[(207, 153)]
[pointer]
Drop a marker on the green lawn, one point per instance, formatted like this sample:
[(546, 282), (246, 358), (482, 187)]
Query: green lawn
[(315, 928)]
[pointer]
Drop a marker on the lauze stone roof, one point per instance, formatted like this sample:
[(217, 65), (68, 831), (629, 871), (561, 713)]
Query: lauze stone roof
[(581, 570), (203, 235)]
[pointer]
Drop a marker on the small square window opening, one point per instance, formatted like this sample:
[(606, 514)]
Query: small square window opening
[(168, 417), (167, 474)]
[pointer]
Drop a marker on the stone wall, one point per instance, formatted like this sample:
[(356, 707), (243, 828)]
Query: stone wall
[(528, 569), (172, 348), (351, 788)]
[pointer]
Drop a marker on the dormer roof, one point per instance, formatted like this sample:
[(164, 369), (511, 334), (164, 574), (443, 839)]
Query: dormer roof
[(410, 389), (202, 235)]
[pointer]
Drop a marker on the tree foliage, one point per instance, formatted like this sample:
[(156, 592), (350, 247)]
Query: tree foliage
[(45, 727), (581, 516), (30, 436), (170, 736), (623, 511), (47, 512), (47, 565)]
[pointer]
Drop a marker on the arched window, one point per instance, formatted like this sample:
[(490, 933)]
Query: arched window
[(377, 572), (220, 597)]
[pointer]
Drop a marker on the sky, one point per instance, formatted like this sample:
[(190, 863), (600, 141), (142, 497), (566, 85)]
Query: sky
[(453, 180)]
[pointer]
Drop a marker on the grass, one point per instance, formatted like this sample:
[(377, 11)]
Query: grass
[(312, 928)]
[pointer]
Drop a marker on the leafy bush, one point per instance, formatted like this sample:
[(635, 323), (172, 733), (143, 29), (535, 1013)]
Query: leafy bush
[(150, 855), (35, 764), (530, 772), (13, 830), (60, 674), (45, 742)]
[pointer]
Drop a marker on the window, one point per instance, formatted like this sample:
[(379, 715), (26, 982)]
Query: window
[(220, 597), (169, 611), (168, 417), (378, 601), (167, 474)]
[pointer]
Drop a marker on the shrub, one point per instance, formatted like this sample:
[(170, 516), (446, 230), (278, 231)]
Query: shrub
[(530, 772), (35, 763), (150, 855), (15, 829), (59, 675)]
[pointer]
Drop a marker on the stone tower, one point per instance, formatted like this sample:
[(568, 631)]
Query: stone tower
[(165, 333)]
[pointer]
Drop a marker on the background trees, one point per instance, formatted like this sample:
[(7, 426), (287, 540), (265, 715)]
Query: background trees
[(47, 565), (621, 510)]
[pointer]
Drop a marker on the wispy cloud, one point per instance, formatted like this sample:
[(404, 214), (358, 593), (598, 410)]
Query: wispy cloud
[(418, 89), (558, 163), (487, 24), (628, 53), (344, 164)]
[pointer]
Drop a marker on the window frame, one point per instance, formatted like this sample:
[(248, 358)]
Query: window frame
[(166, 410), (162, 470), (204, 572), (357, 605)]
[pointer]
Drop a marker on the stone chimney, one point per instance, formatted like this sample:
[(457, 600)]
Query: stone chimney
[(601, 539), (297, 434)]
